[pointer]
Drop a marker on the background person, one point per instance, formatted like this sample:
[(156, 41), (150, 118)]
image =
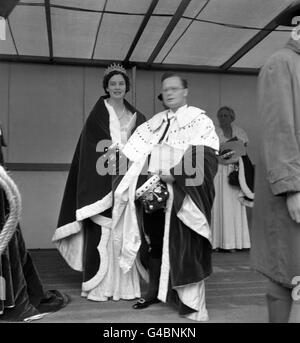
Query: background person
[(229, 218)]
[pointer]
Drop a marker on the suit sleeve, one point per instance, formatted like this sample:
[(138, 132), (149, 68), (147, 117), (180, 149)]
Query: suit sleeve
[(276, 109)]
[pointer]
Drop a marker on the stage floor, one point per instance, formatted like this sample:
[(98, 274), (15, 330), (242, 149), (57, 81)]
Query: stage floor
[(234, 294)]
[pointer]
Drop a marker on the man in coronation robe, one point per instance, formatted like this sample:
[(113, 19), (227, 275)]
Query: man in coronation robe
[(172, 245)]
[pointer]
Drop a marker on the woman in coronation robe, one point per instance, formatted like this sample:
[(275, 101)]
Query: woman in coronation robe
[(83, 235)]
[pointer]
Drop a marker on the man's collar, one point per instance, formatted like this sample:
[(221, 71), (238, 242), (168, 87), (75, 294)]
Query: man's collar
[(184, 115), (294, 45)]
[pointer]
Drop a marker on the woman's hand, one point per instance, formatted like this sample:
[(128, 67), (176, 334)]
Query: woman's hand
[(293, 205)]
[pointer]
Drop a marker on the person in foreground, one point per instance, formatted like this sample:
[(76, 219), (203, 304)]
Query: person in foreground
[(163, 203), (275, 234), (22, 295), (84, 236)]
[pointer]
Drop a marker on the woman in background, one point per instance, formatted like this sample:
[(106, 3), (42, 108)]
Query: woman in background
[(229, 219)]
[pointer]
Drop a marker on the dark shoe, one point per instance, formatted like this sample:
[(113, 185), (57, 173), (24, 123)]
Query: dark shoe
[(53, 301), (142, 303)]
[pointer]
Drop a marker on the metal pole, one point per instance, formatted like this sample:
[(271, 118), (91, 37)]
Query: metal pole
[(134, 86)]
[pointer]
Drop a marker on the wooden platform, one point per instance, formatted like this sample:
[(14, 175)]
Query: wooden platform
[(234, 293)]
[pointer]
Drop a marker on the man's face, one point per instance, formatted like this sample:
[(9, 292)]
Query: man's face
[(174, 95)]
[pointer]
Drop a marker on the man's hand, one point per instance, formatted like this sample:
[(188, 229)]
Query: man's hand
[(167, 178), (293, 205), (228, 158)]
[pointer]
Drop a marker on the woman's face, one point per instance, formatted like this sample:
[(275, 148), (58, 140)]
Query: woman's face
[(116, 87), (225, 118)]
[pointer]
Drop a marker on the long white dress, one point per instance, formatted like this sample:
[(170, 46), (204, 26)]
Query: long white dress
[(229, 218), (114, 282)]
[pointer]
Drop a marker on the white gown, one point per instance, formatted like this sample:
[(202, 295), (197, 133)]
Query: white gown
[(229, 219), (114, 282)]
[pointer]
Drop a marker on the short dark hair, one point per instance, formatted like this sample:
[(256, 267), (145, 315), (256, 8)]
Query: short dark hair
[(168, 75), (228, 109), (110, 75)]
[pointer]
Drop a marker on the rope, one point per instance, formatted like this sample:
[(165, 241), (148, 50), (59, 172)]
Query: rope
[(14, 200)]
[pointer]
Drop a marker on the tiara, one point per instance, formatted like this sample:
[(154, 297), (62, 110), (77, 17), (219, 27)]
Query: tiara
[(113, 67)]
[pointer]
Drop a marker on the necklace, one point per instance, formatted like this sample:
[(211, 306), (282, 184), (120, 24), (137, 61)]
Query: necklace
[(120, 115), (123, 112)]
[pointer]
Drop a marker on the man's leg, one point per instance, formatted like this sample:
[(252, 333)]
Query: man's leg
[(154, 227), (279, 302)]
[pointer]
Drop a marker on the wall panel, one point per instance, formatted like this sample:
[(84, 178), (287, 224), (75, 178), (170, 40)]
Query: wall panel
[(203, 91), (239, 92), (45, 110), (41, 198)]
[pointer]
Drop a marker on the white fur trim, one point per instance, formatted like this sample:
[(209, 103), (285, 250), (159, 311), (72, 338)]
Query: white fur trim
[(114, 123), (142, 271), (245, 202), (185, 115), (193, 218), (189, 114), (115, 126), (131, 239), (242, 180), (165, 264), (69, 242), (95, 208), (199, 131), (193, 295), (149, 184), (101, 220), (102, 249), (69, 238), (66, 231)]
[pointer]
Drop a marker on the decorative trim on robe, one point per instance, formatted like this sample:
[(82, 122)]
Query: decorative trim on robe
[(193, 128), (165, 262), (95, 208), (192, 295), (69, 238), (94, 281), (69, 242), (193, 218), (242, 180)]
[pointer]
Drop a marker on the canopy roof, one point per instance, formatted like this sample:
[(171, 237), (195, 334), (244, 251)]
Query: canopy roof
[(204, 35)]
